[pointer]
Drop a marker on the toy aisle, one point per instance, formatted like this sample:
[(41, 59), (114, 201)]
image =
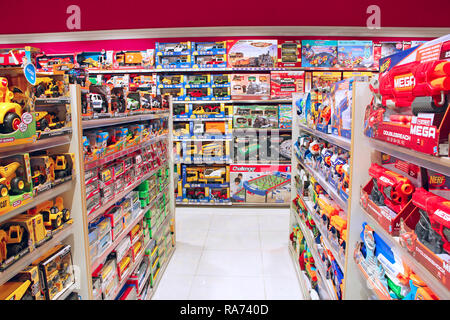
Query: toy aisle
[(172, 165)]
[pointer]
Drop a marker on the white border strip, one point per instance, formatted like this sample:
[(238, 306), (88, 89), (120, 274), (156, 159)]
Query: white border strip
[(266, 31)]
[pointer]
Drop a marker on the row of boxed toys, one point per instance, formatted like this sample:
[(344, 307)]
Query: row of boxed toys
[(202, 129), (235, 53), (45, 279), (204, 86), (103, 183)]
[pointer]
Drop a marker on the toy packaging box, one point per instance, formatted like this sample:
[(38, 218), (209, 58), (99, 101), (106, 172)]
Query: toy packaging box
[(255, 116), (289, 54), (170, 80), (221, 93), (198, 94), (383, 49), (17, 117), (301, 103), (209, 61), (220, 80), (173, 48), (341, 104), (173, 61), (250, 86), (176, 93), (134, 59), (355, 54), (95, 60), (418, 122), (260, 183), (318, 79), (209, 48), (197, 81), (252, 53), (319, 53), (284, 83), (55, 63), (285, 116)]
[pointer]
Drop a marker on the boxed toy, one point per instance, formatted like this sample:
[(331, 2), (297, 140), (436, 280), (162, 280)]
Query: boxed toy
[(250, 86), (355, 54), (285, 116), (252, 53), (284, 83), (17, 119), (173, 48), (42, 173), (173, 62), (197, 81), (260, 183), (221, 93), (289, 54), (220, 80), (99, 99), (321, 80), (170, 80), (178, 94), (366, 75), (341, 108), (383, 49), (408, 110), (55, 63), (134, 59), (211, 61), (18, 57), (95, 60), (198, 94), (302, 104), (209, 48), (319, 53), (52, 120), (255, 116), (16, 187)]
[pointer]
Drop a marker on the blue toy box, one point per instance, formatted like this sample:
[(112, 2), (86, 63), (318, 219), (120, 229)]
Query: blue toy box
[(319, 53), (355, 54)]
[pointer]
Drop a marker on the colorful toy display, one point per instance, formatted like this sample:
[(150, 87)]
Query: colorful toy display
[(283, 84), (289, 53), (355, 54), (319, 53), (252, 53)]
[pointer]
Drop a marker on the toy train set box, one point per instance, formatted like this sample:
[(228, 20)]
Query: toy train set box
[(250, 86), (289, 54), (260, 183), (410, 100), (284, 83), (252, 53)]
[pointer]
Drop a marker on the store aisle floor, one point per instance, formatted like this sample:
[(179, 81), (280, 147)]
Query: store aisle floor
[(230, 253)]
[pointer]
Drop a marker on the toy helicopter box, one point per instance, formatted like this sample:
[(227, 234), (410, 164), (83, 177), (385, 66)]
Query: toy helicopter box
[(409, 109), (260, 183), (319, 53), (355, 54), (289, 54), (252, 53)]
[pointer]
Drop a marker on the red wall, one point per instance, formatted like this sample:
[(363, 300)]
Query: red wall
[(26, 16)]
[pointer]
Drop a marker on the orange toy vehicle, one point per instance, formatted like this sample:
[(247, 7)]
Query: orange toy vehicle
[(9, 181), (10, 112), (54, 213)]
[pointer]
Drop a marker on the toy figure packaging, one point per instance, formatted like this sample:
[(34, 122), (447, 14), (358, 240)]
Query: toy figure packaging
[(319, 53), (289, 54), (355, 54), (252, 53), (250, 86), (260, 183), (341, 104), (284, 83)]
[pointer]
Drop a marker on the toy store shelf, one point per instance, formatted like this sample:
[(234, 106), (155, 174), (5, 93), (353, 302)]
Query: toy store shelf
[(96, 123), (438, 288), (44, 196), (53, 133), (326, 186), (258, 205), (99, 260), (194, 204), (27, 259), (122, 153), (202, 139), (320, 226), (203, 119), (160, 228), (251, 130), (120, 195), (300, 274), (232, 101), (317, 260), (438, 164), (41, 144), (65, 293), (336, 140), (59, 100), (180, 70), (161, 273)]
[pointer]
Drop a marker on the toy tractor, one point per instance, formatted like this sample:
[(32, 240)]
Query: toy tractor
[(15, 237), (54, 214), (46, 119), (10, 112), (10, 183), (61, 167), (48, 87)]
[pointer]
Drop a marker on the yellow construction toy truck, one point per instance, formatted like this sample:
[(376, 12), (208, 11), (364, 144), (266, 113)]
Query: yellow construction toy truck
[(60, 166), (10, 183), (48, 87), (54, 214), (49, 120), (10, 112)]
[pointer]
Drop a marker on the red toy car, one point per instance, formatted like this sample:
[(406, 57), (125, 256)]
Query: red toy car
[(215, 61), (196, 93)]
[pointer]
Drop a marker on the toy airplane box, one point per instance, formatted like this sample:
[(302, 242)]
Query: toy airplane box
[(408, 108), (355, 54), (252, 53), (319, 53)]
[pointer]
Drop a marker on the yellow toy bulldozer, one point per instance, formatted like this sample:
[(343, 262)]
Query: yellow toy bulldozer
[(46, 119), (54, 213), (10, 112), (49, 87), (60, 166), (14, 239), (10, 183)]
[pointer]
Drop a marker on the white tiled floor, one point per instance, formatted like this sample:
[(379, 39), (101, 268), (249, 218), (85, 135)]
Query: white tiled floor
[(230, 253)]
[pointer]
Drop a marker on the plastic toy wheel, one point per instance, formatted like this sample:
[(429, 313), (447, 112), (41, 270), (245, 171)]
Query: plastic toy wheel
[(11, 122), (66, 215), (3, 191), (57, 222), (42, 124), (17, 185)]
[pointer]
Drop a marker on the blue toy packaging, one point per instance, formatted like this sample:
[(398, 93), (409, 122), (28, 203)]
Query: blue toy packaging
[(173, 62), (355, 54), (220, 80), (211, 61), (341, 118), (209, 48), (173, 48), (285, 116), (302, 103), (319, 53)]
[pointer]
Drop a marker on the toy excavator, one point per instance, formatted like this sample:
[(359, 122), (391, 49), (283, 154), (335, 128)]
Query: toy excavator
[(13, 239), (10, 183), (54, 214), (10, 112), (46, 119), (48, 87)]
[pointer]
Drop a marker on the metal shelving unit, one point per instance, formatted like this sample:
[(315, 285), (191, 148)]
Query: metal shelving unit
[(336, 140), (41, 144), (104, 122)]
